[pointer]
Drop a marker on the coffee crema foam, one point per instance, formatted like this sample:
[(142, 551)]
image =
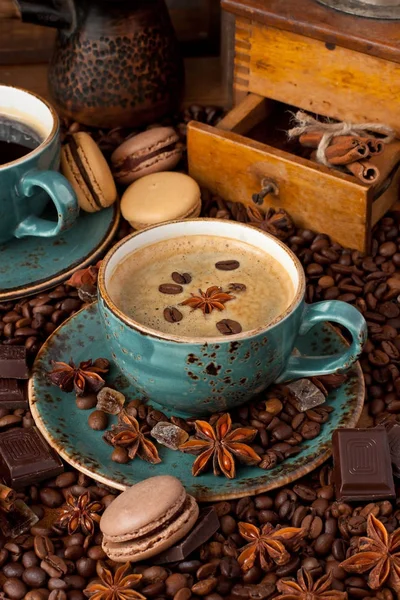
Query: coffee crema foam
[(133, 286)]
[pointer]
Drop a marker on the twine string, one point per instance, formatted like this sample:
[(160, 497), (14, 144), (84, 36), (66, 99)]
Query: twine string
[(307, 124)]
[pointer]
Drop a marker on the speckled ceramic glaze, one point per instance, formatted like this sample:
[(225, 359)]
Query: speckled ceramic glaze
[(31, 265), (194, 376), (65, 426), (27, 183)]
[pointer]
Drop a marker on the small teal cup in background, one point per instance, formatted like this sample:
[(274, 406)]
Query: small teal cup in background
[(27, 182), (196, 376)]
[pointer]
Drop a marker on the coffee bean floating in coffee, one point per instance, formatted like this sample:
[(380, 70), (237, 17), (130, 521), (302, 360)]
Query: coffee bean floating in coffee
[(229, 327), (237, 287), (227, 265), (172, 314), (181, 277), (170, 288)]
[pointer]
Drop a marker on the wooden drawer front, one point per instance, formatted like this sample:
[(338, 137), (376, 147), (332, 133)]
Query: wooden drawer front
[(323, 78), (234, 166)]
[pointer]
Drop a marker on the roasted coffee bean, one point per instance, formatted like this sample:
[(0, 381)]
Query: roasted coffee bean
[(228, 327), (14, 588), (172, 314), (86, 402), (98, 420), (43, 546), (34, 577), (227, 265), (181, 278), (236, 287), (170, 288), (174, 583), (13, 569), (51, 497)]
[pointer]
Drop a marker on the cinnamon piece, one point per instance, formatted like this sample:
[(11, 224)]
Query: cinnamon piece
[(364, 170), (336, 157), (7, 498)]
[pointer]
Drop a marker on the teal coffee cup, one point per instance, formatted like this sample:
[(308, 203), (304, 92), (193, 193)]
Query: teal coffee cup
[(196, 376), (29, 161)]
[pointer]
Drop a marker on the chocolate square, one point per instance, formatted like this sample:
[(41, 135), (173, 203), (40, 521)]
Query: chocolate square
[(13, 394), (13, 362), (362, 464), (25, 457), (393, 433)]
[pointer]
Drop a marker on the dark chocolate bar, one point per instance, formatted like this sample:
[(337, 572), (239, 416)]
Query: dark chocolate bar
[(362, 464), (13, 362), (25, 457), (13, 394), (393, 433), (207, 524)]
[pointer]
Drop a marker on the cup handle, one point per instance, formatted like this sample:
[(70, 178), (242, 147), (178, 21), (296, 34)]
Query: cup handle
[(61, 193), (338, 312)]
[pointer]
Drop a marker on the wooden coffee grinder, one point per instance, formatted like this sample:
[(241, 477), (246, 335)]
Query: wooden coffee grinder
[(341, 62)]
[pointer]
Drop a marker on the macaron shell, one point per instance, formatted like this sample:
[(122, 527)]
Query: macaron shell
[(70, 170), (154, 544), (142, 508), (162, 162), (160, 197), (97, 168)]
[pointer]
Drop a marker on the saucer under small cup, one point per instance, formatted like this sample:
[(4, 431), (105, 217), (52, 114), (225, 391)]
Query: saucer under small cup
[(66, 429), (33, 264)]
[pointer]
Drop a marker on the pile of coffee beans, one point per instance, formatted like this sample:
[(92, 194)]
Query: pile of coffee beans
[(47, 563)]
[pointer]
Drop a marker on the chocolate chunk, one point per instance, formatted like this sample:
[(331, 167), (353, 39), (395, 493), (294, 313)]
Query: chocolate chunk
[(170, 288), (393, 434), (304, 394), (13, 394), (206, 525), (13, 362), (181, 277), (172, 315), (227, 265), (362, 465), (237, 287), (25, 458), (228, 327)]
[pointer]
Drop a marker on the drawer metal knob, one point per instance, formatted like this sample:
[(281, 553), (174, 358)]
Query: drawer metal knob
[(267, 187)]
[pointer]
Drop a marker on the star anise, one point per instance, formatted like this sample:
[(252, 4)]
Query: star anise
[(212, 298), (86, 276), (84, 378), (268, 545), (305, 588), (79, 514), (114, 587), (128, 434), (379, 552), (220, 443)]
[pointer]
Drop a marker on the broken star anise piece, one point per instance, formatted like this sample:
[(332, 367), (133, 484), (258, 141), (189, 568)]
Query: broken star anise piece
[(212, 298), (221, 443), (378, 553), (267, 545), (127, 434), (306, 589), (84, 378), (79, 514), (86, 276), (116, 586)]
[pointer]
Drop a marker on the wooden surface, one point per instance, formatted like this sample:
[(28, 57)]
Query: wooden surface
[(234, 166), (308, 17), (301, 71), (204, 83)]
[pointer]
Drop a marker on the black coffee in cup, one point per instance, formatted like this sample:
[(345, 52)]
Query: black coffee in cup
[(16, 139)]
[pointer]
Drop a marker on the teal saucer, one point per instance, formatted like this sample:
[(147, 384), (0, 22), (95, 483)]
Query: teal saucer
[(33, 264), (65, 426)]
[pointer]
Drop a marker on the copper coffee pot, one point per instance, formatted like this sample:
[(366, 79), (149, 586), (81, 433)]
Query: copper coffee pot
[(115, 62), (375, 9)]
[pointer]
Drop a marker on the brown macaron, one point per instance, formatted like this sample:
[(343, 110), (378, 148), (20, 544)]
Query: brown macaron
[(148, 518), (154, 150), (85, 167)]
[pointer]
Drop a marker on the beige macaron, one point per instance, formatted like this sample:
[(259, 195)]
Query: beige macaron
[(148, 518), (85, 167), (161, 197)]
